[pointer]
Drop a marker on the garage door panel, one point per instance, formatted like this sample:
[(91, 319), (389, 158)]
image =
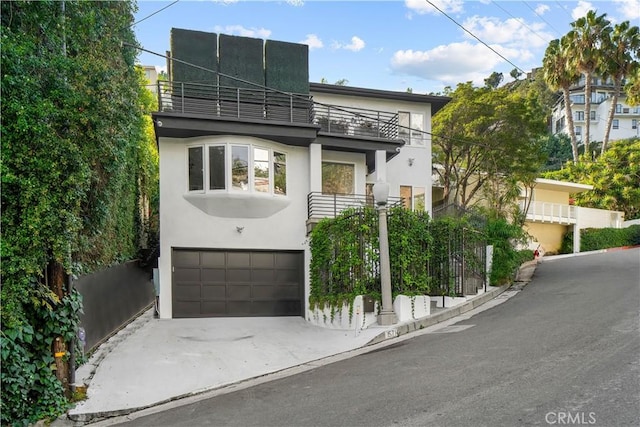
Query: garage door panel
[(262, 275), (213, 308), (189, 292), (238, 259), (187, 309), (219, 283), (187, 275), (235, 275), (239, 308), (239, 292), (288, 260), (214, 275), (290, 276), (214, 292), (213, 259), (262, 260), (186, 258)]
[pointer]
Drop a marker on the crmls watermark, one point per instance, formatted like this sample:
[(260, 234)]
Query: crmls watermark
[(570, 418)]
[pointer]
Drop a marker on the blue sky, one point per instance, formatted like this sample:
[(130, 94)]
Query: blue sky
[(390, 45)]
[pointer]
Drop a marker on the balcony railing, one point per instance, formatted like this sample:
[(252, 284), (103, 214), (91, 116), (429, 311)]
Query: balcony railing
[(255, 103), (555, 213), (322, 205), (222, 101), (356, 121)]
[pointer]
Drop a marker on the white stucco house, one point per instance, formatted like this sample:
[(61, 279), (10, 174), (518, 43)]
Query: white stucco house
[(252, 155)]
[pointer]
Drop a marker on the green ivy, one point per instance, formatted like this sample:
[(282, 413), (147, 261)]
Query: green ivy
[(30, 389), (345, 258), (76, 158)]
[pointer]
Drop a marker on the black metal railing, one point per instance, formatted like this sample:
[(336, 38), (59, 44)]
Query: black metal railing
[(222, 101), (324, 205), (452, 257), (356, 121), (261, 104)]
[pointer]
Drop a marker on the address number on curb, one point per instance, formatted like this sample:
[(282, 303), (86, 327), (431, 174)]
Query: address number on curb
[(391, 333)]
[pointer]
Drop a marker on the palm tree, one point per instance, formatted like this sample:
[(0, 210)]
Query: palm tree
[(619, 64), (560, 76), (585, 43)]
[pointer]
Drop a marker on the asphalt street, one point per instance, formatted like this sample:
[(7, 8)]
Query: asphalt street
[(563, 351)]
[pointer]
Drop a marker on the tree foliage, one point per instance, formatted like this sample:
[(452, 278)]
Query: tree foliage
[(75, 162), (487, 140), (615, 177)]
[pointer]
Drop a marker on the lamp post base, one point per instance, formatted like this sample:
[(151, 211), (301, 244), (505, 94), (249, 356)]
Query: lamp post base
[(387, 318)]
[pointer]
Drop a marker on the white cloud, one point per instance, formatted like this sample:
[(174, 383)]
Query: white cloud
[(541, 9), (452, 63), (512, 32), (225, 1), (296, 2), (356, 44), (239, 30), (581, 9), (313, 42), (421, 7), (630, 9)]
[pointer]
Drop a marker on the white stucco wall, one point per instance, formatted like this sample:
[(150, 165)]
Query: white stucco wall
[(183, 225), (399, 171)]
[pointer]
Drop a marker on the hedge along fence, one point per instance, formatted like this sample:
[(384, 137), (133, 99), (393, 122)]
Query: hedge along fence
[(427, 257), (592, 239)]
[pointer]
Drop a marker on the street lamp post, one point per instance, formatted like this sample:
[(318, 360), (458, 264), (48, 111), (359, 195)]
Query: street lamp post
[(381, 195)]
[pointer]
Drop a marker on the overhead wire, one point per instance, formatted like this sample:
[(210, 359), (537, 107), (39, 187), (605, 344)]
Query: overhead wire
[(475, 37), (520, 21), (154, 13), (303, 97)]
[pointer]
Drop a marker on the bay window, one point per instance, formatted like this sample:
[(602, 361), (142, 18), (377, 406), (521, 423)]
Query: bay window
[(236, 168)]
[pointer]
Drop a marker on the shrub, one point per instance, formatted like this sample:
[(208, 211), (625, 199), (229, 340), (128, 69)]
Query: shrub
[(506, 259), (593, 239)]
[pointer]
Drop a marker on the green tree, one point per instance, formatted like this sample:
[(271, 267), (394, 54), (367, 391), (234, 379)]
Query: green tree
[(494, 80), (615, 177), (585, 41), (486, 139), (73, 159), (618, 63), (560, 76), (557, 149), (632, 88)]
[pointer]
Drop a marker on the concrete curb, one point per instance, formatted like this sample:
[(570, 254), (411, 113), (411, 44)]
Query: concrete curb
[(446, 314)]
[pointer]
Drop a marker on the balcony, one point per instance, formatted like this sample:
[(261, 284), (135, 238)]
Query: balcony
[(324, 205), (231, 102), (222, 102), (356, 122), (554, 213)]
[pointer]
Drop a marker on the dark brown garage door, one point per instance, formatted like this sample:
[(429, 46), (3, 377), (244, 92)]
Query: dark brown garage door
[(210, 283)]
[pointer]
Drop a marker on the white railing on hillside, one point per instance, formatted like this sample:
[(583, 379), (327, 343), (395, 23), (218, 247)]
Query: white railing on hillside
[(556, 213)]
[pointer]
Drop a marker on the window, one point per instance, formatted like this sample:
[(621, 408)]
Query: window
[(634, 124), (618, 108), (240, 167), (261, 170), (338, 178), (578, 130), (592, 115), (616, 123), (227, 168), (196, 170), (279, 173), (411, 127), (217, 167), (412, 197), (579, 115)]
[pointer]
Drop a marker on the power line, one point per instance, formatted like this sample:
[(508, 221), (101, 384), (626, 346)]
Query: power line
[(306, 98), (520, 21), (539, 16), (154, 13), (476, 37)]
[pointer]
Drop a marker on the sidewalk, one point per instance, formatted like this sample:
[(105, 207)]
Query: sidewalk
[(154, 361)]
